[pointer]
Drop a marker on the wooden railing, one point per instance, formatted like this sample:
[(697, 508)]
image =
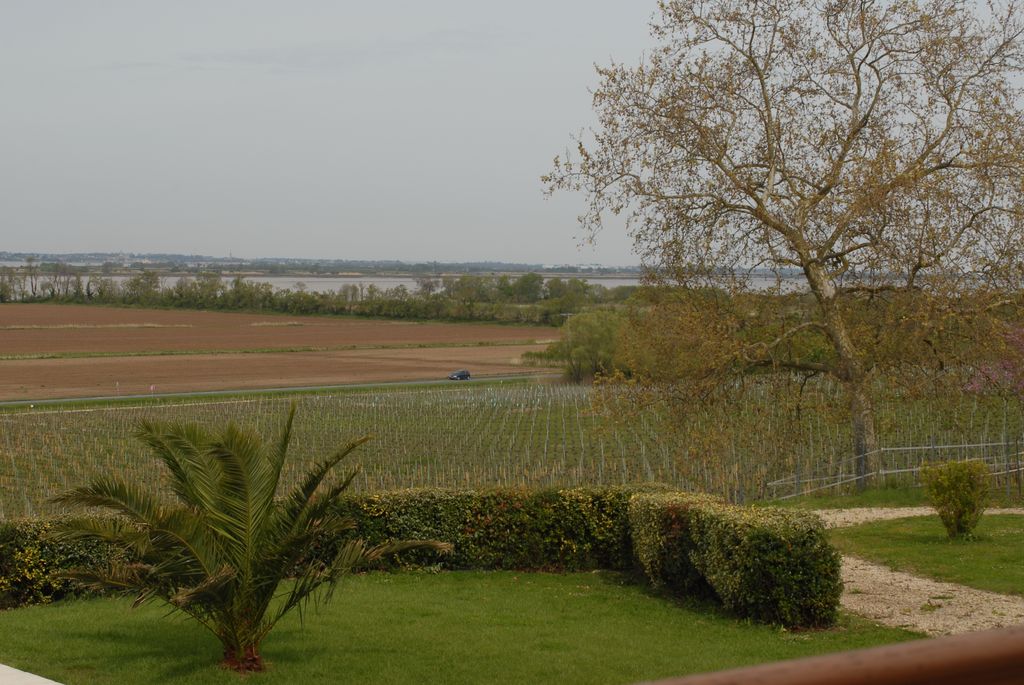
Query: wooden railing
[(992, 657)]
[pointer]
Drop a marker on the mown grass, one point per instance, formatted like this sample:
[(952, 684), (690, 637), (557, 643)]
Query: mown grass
[(465, 627), (906, 496), (873, 497), (993, 560)]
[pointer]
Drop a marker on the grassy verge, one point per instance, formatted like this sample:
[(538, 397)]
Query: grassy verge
[(993, 561), (265, 350), (214, 396), (882, 497), (415, 628), (874, 497)]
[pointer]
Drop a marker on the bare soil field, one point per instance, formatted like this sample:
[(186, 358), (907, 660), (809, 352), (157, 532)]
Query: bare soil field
[(253, 351), (31, 329)]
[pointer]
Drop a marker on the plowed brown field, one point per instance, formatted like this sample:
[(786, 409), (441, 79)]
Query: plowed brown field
[(106, 351)]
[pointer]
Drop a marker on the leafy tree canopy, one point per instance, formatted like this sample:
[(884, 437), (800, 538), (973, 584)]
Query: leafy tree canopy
[(870, 147)]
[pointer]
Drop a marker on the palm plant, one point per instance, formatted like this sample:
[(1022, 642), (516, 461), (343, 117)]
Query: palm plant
[(221, 547)]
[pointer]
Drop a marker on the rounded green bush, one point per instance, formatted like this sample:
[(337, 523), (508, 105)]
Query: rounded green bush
[(958, 490)]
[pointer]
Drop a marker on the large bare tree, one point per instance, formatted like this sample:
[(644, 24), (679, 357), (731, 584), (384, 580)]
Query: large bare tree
[(871, 147)]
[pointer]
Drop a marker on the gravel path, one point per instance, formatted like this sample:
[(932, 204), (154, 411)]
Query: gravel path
[(839, 518), (902, 600)]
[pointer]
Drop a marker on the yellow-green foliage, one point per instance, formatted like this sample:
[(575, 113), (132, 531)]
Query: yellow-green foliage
[(663, 540), (959, 492), (767, 564), (32, 564)]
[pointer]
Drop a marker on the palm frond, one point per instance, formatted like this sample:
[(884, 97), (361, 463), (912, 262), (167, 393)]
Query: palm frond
[(112, 492), (293, 554), (116, 576), (181, 448), (297, 501), (210, 590), (182, 535), (378, 552), (318, 511), (278, 455), (234, 515), (116, 531)]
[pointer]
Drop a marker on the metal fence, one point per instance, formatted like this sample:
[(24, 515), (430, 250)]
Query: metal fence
[(902, 466)]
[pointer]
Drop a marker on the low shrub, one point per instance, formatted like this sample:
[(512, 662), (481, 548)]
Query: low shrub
[(32, 564), (770, 565), (958, 490)]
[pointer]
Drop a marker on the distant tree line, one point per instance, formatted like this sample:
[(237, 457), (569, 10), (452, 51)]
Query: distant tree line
[(469, 297), (193, 264)]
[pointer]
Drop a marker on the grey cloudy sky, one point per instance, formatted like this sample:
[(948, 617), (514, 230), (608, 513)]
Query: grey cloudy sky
[(402, 130)]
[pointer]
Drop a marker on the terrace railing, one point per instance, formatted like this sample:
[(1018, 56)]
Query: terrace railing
[(992, 657)]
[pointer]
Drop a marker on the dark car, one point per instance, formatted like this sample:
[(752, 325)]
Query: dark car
[(460, 375)]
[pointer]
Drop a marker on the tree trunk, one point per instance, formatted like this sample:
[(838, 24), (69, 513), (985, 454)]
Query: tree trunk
[(850, 370), (862, 414), (245, 659)]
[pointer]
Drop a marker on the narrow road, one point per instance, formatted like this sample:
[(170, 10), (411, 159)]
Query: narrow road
[(266, 391)]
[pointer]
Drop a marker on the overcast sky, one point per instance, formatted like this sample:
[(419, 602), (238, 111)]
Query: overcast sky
[(301, 128)]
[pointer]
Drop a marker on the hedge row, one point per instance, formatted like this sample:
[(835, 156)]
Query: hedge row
[(550, 530), (32, 563), (547, 530), (770, 565)]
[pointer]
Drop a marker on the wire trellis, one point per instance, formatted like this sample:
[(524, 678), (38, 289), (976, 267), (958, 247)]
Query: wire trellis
[(519, 436)]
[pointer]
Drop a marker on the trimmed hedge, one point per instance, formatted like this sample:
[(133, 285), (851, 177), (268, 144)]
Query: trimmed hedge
[(548, 530), (663, 541), (766, 564), (771, 565), (32, 563)]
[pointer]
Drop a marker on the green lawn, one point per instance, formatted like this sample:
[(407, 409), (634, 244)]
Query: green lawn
[(873, 497), (904, 496), (464, 627), (993, 561)]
